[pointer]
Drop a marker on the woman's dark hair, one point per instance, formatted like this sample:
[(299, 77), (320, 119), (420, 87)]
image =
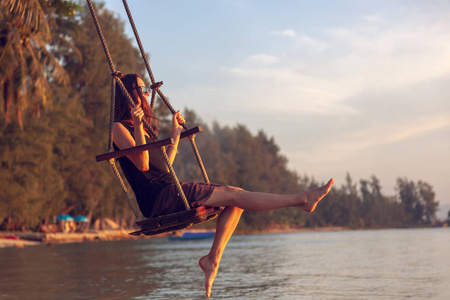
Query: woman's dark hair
[(123, 107)]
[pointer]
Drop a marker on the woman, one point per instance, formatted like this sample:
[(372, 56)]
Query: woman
[(154, 188)]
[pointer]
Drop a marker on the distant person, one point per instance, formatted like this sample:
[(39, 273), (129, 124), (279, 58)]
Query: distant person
[(156, 191)]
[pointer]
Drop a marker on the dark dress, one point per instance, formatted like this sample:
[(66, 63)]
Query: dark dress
[(155, 190)]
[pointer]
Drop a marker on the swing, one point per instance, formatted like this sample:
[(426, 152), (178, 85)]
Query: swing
[(164, 223)]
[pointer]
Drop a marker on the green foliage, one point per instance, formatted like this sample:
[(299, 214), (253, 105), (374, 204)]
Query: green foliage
[(418, 201), (32, 184)]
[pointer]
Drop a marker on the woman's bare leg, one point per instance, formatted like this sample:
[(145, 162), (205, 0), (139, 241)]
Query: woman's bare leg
[(226, 224), (236, 200), (255, 201)]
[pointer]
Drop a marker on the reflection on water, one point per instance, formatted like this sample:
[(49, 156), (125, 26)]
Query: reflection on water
[(375, 264)]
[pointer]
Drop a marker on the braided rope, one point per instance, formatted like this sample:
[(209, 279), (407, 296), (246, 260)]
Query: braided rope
[(112, 162), (111, 114), (100, 34), (111, 64), (136, 213), (138, 40), (116, 79), (161, 95), (111, 120), (115, 74), (152, 103), (144, 57), (199, 159), (177, 182)]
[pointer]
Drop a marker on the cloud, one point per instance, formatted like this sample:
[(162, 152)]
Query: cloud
[(388, 150), (388, 57), (373, 18), (387, 134), (283, 89), (285, 33), (262, 59), (302, 40), (318, 74)]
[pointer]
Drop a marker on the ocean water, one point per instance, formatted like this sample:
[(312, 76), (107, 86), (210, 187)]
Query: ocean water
[(369, 264)]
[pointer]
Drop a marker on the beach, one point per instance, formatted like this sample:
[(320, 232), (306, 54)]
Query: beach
[(22, 239)]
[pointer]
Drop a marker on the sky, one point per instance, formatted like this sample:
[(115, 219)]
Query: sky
[(343, 87)]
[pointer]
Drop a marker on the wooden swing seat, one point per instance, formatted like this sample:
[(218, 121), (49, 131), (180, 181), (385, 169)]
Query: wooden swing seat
[(176, 221), (169, 222)]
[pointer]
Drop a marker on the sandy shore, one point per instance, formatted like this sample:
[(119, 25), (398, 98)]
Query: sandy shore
[(22, 239), (16, 243)]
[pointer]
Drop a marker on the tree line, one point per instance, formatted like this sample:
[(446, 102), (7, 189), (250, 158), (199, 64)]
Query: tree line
[(55, 90)]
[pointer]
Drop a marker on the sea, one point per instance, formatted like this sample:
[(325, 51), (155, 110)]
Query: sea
[(353, 264)]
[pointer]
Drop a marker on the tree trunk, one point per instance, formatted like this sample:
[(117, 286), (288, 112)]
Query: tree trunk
[(18, 108), (90, 213), (7, 100)]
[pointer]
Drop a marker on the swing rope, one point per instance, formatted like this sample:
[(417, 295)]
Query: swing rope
[(112, 161), (156, 86), (164, 223), (116, 78), (136, 213)]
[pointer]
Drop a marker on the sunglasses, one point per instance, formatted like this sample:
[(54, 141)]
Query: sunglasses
[(144, 90)]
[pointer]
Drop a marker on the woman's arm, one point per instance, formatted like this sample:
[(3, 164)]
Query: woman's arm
[(123, 139), (177, 128)]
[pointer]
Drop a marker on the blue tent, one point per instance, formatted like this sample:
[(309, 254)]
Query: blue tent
[(64, 218), (81, 219)]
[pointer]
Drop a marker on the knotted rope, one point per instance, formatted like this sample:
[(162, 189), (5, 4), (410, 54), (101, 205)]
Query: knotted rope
[(161, 95), (116, 79)]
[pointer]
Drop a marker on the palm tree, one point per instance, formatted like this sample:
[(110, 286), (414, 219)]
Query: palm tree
[(28, 66)]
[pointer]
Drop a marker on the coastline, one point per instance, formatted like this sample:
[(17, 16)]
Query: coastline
[(22, 239)]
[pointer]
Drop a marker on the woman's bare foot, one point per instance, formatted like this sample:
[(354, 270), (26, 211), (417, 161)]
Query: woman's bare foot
[(311, 198), (210, 270)]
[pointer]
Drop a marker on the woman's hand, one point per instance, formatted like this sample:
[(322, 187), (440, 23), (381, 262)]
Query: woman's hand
[(137, 114), (177, 123), (177, 127)]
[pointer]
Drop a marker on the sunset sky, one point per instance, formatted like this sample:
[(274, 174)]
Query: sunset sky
[(358, 87)]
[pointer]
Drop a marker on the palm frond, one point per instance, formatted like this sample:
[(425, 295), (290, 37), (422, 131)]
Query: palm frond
[(28, 15)]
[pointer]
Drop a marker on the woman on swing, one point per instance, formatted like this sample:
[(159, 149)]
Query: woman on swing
[(155, 190)]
